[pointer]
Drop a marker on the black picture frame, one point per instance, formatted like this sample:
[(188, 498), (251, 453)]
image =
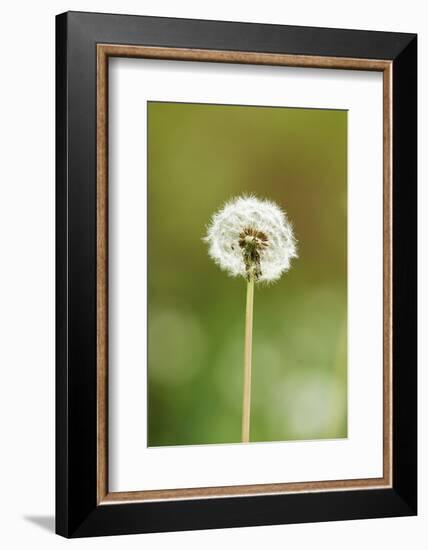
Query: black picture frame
[(77, 511)]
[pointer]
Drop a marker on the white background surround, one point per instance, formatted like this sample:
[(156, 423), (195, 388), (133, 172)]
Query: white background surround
[(132, 465), (27, 289)]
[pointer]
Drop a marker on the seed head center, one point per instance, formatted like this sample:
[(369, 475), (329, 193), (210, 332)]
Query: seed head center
[(252, 243)]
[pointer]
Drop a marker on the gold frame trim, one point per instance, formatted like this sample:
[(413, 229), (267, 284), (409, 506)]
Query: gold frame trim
[(104, 51)]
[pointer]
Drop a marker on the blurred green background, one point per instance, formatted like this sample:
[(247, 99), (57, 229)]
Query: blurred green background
[(199, 156)]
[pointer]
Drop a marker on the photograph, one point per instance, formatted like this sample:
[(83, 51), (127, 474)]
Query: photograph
[(247, 273)]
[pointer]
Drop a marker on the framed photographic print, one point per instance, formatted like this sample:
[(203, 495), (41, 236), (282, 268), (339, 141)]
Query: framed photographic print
[(236, 274)]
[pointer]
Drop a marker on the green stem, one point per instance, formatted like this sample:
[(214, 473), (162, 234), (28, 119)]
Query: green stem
[(246, 402)]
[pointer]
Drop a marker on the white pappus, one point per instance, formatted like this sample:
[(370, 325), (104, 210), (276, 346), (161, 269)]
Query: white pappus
[(252, 238)]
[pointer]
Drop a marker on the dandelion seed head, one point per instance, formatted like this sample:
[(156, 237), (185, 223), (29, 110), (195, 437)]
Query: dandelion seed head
[(252, 238)]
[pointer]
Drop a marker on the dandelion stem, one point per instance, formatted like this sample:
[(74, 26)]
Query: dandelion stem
[(246, 402)]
